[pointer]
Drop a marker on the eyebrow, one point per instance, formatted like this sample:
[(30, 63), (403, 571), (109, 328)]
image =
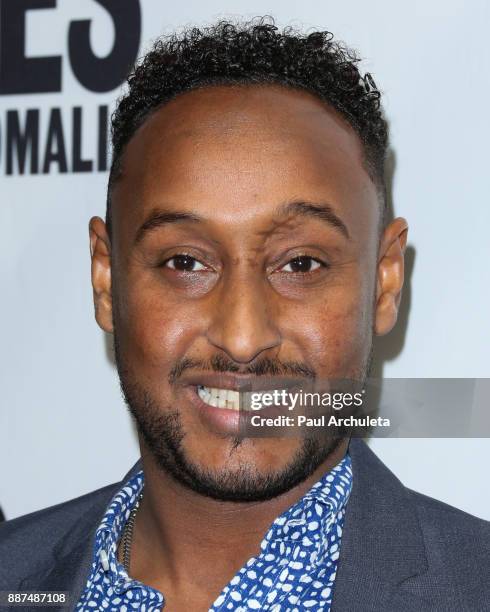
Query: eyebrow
[(158, 218), (322, 211)]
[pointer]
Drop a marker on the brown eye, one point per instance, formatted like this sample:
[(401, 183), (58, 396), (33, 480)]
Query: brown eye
[(302, 265), (184, 263)]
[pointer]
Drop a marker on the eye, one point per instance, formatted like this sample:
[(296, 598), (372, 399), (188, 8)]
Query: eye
[(184, 263), (302, 265)]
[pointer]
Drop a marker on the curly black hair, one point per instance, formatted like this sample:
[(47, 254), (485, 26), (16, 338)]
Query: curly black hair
[(253, 53)]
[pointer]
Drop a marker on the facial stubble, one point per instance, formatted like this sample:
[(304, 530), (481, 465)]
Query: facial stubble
[(160, 427)]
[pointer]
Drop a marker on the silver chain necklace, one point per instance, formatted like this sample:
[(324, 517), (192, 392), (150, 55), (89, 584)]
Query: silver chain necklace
[(127, 537)]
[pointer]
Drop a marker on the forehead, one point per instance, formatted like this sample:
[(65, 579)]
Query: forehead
[(222, 150)]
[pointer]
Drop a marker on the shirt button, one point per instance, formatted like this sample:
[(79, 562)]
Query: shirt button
[(104, 559)]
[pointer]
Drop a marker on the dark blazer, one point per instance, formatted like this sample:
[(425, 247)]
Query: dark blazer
[(400, 551)]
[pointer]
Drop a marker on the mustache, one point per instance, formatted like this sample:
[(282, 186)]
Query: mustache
[(262, 367)]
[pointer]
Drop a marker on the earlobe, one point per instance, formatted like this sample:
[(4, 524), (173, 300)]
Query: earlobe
[(390, 275), (100, 252)]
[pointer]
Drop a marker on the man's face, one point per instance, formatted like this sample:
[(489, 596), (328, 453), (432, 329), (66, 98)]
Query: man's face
[(245, 242)]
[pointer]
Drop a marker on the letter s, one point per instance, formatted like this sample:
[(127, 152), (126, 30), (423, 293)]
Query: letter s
[(100, 74)]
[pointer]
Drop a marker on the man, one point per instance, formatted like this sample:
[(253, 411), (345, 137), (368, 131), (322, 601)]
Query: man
[(245, 237)]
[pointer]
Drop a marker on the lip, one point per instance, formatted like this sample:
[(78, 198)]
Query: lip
[(224, 421), (238, 382)]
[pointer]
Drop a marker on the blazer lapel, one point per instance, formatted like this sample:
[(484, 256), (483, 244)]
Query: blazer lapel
[(73, 555), (68, 573), (382, 544)]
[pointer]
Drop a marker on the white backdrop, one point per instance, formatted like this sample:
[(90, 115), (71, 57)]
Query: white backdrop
[(64, 429)]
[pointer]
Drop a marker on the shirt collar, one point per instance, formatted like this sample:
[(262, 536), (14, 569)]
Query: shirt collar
[(110, 531), (312, 517), (315, 514)]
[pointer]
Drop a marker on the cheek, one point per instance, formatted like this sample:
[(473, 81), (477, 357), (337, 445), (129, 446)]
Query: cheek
[(347, 338), (335, 332), (154, 328)]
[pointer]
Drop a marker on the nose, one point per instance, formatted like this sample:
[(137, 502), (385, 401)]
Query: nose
[(243, 325)]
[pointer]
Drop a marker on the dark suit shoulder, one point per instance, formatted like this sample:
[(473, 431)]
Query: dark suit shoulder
[(29, 542), (457, 546), (433, 510)]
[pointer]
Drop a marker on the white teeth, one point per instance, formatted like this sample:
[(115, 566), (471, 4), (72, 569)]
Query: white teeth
[(219, 398)]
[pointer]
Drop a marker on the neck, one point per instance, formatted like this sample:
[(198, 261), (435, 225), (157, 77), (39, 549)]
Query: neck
[(186, 537)]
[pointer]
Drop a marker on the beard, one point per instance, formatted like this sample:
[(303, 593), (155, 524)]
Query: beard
[(160, 427)]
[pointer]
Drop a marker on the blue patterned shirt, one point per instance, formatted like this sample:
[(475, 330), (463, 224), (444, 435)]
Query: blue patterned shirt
[(295, 569)]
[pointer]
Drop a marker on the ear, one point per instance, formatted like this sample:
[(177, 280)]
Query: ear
[(100, 252), (390, 275)]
